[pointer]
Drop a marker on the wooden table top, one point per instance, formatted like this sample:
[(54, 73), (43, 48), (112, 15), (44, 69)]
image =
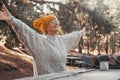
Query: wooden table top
[(79, 74)]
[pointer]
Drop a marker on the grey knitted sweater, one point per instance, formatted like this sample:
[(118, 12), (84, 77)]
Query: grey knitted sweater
[(49, 52)]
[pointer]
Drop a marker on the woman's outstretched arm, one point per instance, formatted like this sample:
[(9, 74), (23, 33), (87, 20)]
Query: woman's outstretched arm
[(25, 34), (72, 39)]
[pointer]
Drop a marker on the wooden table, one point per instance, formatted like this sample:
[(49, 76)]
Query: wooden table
[(79, 74), (72, 59)]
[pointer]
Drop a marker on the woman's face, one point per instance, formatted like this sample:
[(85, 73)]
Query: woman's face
[(53, 26)]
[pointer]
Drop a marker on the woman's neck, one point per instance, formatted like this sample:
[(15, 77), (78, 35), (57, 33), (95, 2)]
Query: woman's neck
[(52, 33)]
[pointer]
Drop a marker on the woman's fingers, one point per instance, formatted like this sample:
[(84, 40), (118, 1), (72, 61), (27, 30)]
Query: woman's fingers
[(5, 14), (4, 8), (1, 14), (84, 29)]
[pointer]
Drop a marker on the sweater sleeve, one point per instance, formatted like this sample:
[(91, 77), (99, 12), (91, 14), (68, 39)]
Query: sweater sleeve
[(25, 34), (71, 40)]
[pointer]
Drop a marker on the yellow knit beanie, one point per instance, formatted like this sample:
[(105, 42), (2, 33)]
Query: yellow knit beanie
[(43, 22)]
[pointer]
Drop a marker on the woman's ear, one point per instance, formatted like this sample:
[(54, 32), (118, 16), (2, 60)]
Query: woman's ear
[(45, 32)]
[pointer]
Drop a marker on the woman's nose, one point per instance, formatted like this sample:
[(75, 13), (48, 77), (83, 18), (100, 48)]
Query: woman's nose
[(56, 24)]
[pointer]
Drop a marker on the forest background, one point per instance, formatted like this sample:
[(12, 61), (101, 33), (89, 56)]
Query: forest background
[(100, 17)]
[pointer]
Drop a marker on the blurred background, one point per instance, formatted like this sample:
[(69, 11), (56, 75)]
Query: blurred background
[(100, 17)]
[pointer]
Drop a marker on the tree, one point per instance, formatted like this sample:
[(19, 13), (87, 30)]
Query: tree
[(97, 15)]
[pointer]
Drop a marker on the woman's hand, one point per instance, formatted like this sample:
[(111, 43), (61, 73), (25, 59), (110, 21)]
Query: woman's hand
[(84, 30), (5, 14)]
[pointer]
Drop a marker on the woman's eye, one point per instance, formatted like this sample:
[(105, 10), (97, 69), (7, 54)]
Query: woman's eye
[(52, 22), (55, 23)]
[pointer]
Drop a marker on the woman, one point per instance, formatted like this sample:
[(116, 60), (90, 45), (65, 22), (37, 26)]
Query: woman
[(48, 50)]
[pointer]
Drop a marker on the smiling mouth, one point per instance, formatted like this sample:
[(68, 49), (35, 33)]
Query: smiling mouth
[(56, 26)]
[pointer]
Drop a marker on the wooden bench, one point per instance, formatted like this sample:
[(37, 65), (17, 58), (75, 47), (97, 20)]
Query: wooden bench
[(72, 59), (80, 63)]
